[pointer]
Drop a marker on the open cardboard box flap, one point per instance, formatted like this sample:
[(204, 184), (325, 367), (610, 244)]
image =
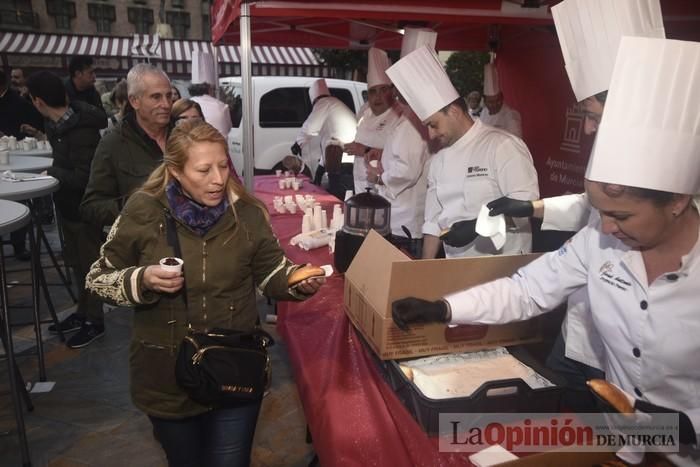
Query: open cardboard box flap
[(383, 274)]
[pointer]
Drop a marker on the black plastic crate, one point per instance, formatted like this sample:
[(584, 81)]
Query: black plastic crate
[(519, 397)]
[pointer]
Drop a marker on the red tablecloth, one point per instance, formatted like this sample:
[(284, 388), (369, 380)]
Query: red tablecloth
[(354, 416)]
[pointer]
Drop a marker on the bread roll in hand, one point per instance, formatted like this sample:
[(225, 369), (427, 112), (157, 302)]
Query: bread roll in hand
[(303, 273), (612, 395)]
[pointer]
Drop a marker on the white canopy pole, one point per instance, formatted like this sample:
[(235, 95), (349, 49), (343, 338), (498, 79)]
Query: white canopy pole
[(247, 144)]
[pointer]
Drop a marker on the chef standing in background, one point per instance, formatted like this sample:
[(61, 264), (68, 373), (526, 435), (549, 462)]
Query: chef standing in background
[(377, 119)]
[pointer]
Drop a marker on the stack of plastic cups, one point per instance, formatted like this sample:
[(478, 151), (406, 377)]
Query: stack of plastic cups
[(318, 220), (306, 224)]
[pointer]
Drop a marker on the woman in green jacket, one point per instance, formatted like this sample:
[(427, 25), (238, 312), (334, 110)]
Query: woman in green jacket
[(229, 251)]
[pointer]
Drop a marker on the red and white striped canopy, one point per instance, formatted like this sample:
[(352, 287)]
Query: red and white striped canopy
[(146, 46)]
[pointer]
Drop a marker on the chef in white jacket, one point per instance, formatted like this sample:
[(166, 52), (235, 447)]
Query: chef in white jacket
[(496, 112), (335, 124), (215, 112), (589, 33), (377, 119), (640, 258), (477, 163), (401, 172)]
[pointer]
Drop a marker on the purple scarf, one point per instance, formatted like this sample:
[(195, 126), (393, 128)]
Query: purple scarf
[(196, 216)]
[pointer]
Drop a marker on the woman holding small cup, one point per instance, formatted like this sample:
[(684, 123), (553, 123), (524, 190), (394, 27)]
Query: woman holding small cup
[(228, 252)]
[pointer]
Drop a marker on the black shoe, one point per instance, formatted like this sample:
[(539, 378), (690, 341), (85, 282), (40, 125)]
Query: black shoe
[(70, 324), (87, 334)]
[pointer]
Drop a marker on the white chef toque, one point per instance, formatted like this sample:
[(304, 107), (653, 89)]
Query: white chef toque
[(414, 38), (377, 63), (491, 85), (203, 68), (649, 136), (318, 88), (589, 33), (422, 81)]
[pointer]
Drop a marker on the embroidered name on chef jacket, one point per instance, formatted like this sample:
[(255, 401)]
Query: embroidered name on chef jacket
[(608, 276), (476, 171)]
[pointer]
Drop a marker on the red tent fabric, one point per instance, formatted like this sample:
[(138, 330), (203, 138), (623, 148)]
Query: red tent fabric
[(529, 60)]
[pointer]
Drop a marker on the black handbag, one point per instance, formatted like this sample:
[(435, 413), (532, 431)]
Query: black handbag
[(220, 367)]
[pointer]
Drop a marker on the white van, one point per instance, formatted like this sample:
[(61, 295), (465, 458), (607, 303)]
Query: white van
[(280, 107)]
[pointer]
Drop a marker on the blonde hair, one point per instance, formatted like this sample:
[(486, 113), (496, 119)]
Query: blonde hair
[(181, 139)]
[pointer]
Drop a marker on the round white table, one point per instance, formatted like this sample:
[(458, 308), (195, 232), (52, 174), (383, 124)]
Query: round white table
[(29, 189), (32, 152), (13, 216), (27, 164)]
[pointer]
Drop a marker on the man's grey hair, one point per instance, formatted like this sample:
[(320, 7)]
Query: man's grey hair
[(135, 78)]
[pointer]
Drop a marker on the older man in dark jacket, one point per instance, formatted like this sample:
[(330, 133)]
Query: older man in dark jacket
[(74, 132), (127, 155)]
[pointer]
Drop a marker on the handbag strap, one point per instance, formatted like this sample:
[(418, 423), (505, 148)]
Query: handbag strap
[(174, 241)]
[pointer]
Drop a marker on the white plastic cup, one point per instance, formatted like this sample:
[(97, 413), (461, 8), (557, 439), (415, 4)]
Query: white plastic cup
[(171, 267), (12, 143), (278, 173), (324, 219), (306, 224), (26, 145), (281, 183), (4, 157), (291, 207), (295, 184)]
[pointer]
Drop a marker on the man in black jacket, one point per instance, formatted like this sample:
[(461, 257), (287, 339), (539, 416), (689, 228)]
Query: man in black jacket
[(80, 85), (16, 115), (73, 130)]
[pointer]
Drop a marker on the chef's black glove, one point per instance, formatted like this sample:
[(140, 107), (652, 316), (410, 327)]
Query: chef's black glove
[(296, 149), (461, 233), (510, 207), (685, 426), (416, 310)]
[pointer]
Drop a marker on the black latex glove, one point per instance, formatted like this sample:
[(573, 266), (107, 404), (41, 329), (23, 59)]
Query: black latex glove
[(510, 207), (685, 426), (416, 310), (296, 149), (461, 233)]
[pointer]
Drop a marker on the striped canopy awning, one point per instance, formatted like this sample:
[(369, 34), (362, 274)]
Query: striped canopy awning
[(174, 55)]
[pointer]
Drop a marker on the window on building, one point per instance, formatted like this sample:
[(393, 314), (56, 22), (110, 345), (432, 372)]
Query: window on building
[(103, 16), (178, 3), (284, 108), (206, 25), (62, 11), (141, 18), (179, 21), (17, 13)]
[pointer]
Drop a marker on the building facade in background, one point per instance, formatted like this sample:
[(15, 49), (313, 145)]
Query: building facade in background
[(188, 19)]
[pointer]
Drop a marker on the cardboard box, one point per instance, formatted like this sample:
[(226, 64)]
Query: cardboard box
[(380, 274)]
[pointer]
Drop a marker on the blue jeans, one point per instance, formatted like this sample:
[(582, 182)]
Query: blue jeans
[(219, 438)]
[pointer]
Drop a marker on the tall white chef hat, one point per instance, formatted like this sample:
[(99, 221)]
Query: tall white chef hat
[(422, 81), (491, 86), (414, 38), (589, 33), (318, 88), (203, 68), (378, 62), (649, 136)]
